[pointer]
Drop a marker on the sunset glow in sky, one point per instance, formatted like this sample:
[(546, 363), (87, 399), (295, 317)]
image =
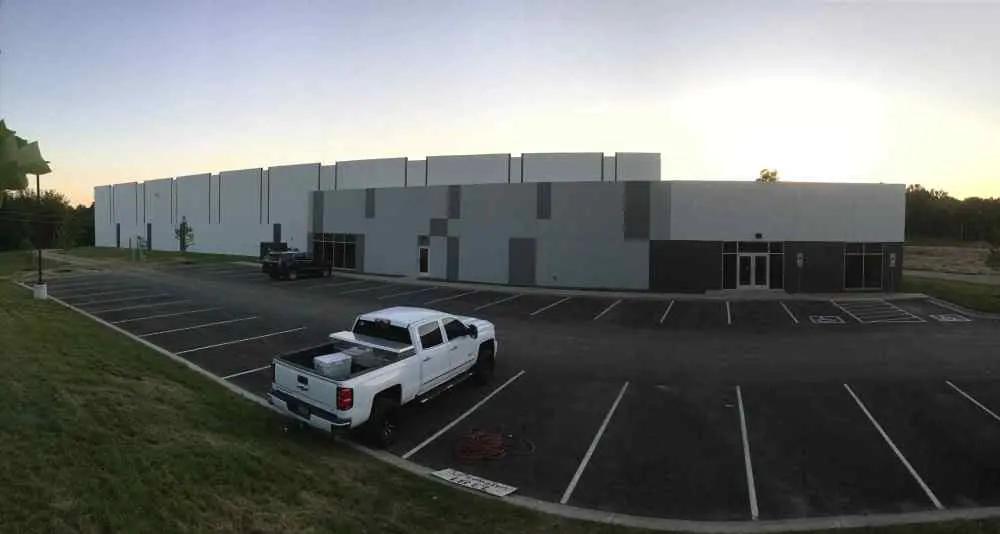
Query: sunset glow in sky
[(121, 91)]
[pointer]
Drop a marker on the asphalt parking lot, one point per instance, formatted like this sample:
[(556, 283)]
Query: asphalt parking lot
[(685, 444)]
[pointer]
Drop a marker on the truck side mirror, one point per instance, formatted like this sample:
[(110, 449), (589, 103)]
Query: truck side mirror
[(472, 330)]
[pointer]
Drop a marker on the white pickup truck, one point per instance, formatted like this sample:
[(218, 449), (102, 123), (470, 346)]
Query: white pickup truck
[(389, 358)]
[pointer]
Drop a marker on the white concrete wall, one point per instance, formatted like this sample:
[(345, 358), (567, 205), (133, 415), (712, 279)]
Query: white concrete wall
[(193, 204), (160, 212), (787, 211), (563, 167), (638, 166), (104, 228), (416, 172), (240, 230), (126, 212), (290, 188), (328, 177), (514, 174), (214, 199), (462, 170), (369, 173)]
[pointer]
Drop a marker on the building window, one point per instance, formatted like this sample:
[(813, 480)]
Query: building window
[(863, 266), (340, 249)]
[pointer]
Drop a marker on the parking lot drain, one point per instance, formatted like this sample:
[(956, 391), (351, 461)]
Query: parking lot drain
[(479, 445)]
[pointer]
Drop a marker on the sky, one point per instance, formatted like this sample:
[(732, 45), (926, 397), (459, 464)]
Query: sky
[(895, 92)]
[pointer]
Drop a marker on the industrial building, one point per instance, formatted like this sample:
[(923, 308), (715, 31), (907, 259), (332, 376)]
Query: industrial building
[(570, 220)]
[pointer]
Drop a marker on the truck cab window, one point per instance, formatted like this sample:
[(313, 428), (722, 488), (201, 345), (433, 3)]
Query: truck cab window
[(430, 335), (454, 329)]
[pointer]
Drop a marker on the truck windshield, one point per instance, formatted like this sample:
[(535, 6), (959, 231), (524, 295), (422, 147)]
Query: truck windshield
[(382, 330)]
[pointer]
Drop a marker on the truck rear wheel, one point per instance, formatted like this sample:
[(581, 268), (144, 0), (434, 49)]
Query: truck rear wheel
[(482, 371), (380, 429), (292, 275)]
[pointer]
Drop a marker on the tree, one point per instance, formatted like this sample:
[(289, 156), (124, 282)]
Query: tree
[(767, 176), (18, 159), (184, 234)]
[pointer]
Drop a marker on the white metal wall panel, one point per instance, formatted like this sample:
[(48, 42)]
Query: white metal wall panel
[(104, 228), (290, 187), (787, 211), (215, 199), (609, 168), (240, 196), (515, 171), (638, 166), (416, 173), (463, 170), (369, 173), (126, 199), (192, 193), (159, 213), (563, 167), (265, 198), (328, 177)]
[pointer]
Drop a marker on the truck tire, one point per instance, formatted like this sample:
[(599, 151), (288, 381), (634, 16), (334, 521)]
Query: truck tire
[(292, 274), (482, 371), (380, 429)]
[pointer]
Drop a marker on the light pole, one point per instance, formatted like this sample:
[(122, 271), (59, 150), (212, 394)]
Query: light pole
[(38, 227)]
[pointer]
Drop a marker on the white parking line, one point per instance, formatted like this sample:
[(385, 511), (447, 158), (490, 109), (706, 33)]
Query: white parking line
[(593, 446), (751, 486), (363, 289), (235, 341), (100, 293), (498, 301), (195, 327), (163, 315), (789, 312), (247, 372), (973, 401), (906, 463), (459, 419), (140, 306), (89, 284), (606, 310), (451, 297), (729, 314), (843, 309), (666, 312), (341, 284), (121, 299), (553, 305), (404, 293)]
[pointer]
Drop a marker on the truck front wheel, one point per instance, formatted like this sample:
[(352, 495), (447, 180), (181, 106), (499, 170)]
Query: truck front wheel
[(380, 429), (482, 372)]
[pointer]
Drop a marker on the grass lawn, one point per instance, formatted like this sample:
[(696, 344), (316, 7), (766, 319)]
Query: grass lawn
[(124, 254), (982, 297)]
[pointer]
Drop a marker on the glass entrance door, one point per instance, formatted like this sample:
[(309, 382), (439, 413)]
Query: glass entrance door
[(751, 272)]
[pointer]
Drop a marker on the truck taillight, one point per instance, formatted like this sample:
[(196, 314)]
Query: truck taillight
[(345, 398)]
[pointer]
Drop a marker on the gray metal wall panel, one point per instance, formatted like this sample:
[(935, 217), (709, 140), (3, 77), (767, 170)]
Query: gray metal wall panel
[(521, 260), (438, 267), (316, 208), (369, 203), (544, 200), (636, 210), (452, 268), (659, 210), (438, 227), (454, 201)]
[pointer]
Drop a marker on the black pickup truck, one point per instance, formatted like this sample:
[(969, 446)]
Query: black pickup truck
[(291, 264)]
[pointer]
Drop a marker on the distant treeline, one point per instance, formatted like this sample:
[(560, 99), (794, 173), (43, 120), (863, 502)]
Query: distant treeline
[(61, 224), (931, 213)]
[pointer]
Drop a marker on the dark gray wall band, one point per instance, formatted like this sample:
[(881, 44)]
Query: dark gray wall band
[(451, 270), (543, 195), (454, 202), (439, 227), (317, 212), (521, 261), (685, 266), (369, 203), (636, 209)]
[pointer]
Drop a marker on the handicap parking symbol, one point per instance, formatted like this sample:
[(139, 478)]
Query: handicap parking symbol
[(826, 319), (950, 318)]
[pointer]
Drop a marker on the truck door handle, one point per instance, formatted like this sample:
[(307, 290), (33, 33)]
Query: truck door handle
[(303, 387)]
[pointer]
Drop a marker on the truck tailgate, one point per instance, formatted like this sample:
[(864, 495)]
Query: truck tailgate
[(307, 386)]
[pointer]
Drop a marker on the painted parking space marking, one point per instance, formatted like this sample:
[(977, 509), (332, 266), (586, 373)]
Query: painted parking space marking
[(343, 284), (913, 472), (729, 314), (405, 293), (826, 319), (950, 318), (971, 399), (789, 312), (460, 418), (247, 372), (164, 315), (497, 301), (363, 289), (666, 312), (606, 310), (197, 326), (549, 306), (142, 306), (593, 446), (443, 299), (235, 341), (751, 486), (870, 311), (121, 299), (102, 293)]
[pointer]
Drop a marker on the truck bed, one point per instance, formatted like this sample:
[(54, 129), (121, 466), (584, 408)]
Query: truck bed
[(359, 366)]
